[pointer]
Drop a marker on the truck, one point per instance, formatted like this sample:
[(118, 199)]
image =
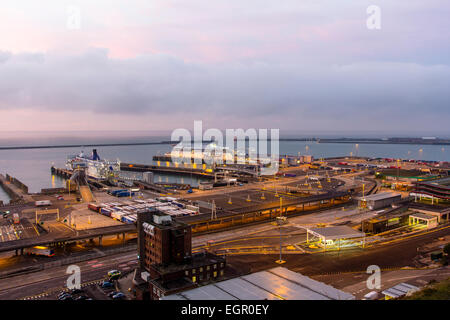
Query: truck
[(125, 193), (114, 192), (40, 251), (94, 207), (43, 203)]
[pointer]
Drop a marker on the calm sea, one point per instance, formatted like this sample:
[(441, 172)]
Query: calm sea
[(32, 166)]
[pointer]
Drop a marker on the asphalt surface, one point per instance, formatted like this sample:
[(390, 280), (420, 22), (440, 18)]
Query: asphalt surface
[(399, 254), (54, 280)]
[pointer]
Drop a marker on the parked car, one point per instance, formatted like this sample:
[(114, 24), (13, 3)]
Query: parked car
[(82, 297), (66, 297), (77, 291), (62, 294), (112, 293), (118, 296), (107, 284), (114, 274)]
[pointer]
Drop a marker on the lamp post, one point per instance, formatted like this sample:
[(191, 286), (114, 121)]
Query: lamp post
[(280, 221)]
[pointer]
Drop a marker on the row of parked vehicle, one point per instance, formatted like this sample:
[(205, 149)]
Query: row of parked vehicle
[(126, 211), (75, 294), (112, 276)]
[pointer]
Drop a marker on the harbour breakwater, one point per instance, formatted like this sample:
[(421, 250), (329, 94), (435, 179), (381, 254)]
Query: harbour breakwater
[(16, 190)]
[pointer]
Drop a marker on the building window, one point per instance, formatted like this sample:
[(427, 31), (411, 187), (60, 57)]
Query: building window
[(186, 273), (194, 279), (215, 266), (193, 271), (221, 272), (208, 276), (221, 264), (200, 277), (201, 269), (215, 274), (207, 268)]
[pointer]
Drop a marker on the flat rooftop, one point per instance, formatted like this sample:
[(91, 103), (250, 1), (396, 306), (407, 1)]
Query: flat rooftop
[(337, 232), (423, 216), (275, 284), (380, 196), (198, 260), (443, 182)]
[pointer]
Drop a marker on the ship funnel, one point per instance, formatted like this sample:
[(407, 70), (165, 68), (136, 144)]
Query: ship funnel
[(95, 155)]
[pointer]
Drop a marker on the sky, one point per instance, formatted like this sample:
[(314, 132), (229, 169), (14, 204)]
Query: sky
[(306, 66)]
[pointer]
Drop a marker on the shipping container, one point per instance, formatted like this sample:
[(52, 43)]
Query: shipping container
[(94, 207), (105, 212), (43, 203)]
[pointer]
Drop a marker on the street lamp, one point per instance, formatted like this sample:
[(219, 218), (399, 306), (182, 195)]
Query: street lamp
[(280, 221)]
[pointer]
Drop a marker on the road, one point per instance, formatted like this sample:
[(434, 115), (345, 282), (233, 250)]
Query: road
[(355, 283), (54, 279)]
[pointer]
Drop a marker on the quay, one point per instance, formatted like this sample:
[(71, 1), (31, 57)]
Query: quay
[(16, 190), (166, 169)]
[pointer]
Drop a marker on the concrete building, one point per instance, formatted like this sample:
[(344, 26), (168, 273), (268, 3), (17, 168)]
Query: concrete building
[(378, 200), (385, 222), (434, 189), (441, 212), (274, 284), (422, 219), (162, 240), (166, 262)]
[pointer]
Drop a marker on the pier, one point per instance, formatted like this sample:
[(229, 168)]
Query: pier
[(16, 190)]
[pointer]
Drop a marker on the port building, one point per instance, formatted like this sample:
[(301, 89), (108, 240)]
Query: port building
[(438, 188), (166, 262), (336, 237), (274, 284), (379, 200)]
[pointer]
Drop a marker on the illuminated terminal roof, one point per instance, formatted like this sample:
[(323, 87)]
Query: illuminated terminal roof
[(379, 196), (338, 232), (274, 284)]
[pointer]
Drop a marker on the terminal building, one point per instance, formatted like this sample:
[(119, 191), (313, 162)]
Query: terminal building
[(166, 262), (274, 284), (379, 200), (441, 212), (335, 238), (434, 189), (385, 222)]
